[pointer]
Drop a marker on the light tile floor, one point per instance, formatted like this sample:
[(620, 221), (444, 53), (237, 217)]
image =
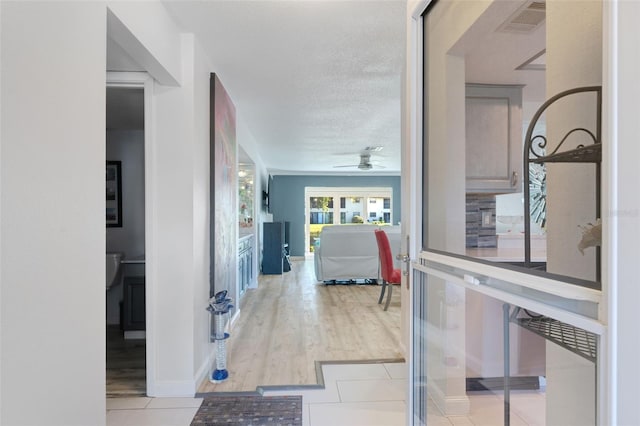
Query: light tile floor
[(354, 395), (151, 411)]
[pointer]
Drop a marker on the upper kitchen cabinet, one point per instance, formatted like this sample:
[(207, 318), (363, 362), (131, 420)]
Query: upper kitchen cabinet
[(493, 123)]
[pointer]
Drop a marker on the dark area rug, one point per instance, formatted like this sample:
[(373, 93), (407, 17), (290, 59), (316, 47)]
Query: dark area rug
[(250, 410)]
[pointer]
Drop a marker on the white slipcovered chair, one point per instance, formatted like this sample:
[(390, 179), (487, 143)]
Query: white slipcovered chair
[(350, 252)]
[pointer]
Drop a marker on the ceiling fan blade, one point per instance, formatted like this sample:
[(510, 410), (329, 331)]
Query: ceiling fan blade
[(347, 165)]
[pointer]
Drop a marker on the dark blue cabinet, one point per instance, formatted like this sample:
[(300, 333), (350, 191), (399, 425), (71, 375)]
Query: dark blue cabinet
[(275, 256)]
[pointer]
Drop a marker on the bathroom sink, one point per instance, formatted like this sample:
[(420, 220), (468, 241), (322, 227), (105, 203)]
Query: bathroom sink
[(113, 274)]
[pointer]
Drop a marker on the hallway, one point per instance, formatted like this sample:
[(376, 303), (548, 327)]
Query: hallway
[(291, 321)]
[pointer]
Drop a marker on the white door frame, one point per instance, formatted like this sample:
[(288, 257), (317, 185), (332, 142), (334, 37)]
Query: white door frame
[(621, 207), (412, 152), (144, 81)]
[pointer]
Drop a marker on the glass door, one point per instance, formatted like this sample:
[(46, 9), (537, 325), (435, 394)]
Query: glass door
[(499, 336), (501, 348)]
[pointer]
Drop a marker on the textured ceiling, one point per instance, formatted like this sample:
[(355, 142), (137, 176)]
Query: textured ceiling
[(317, 81)]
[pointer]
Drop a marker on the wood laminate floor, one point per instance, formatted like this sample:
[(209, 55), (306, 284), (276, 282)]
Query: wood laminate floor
[(291, 321), (126, 374)]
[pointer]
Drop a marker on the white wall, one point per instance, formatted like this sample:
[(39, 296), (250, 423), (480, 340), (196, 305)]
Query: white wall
[(574, 59), (52, 256), (53, 155), (149, 36), (177, 321), (203, 350), (172, 314)]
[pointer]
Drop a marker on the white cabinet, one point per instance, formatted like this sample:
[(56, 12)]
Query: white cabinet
[(493, 124)]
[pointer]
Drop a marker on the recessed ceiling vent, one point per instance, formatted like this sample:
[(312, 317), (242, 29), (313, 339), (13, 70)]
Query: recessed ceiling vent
[(526, 19)]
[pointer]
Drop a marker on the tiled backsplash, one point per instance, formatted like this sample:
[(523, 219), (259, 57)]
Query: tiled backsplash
[(481, 221)]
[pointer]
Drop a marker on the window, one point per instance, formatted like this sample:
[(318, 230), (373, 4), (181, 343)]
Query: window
[(321, 202), (354, 206), (321, 217)]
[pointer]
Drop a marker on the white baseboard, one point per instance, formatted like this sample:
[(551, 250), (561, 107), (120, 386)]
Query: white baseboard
[(169, 388), (233, 320), (205, 368), (456, 405)]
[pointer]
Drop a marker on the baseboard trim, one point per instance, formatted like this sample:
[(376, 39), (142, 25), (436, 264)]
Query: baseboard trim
[(175, 389), (203, 372), (457, 405), (234, 318)]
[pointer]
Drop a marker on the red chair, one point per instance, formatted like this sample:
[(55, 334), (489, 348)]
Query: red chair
[(390, 276)]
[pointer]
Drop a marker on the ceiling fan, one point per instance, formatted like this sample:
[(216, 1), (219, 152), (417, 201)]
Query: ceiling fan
[(365, 161)]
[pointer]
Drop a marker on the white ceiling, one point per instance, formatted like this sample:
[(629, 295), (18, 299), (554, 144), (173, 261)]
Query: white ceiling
[(317, 81)]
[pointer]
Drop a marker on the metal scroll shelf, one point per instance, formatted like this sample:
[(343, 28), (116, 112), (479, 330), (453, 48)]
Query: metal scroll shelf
[(535, 153), (576, 340)]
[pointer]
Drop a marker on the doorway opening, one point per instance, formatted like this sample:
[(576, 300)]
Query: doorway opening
[(125, 235)]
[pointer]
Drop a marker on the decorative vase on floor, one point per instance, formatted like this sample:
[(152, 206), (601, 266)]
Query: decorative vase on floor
[(220, 305)]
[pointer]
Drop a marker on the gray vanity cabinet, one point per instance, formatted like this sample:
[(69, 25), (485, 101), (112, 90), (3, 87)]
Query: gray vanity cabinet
[(133, 303), (493, 125)]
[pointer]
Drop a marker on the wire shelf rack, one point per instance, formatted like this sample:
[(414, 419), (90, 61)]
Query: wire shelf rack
[(572, 338)]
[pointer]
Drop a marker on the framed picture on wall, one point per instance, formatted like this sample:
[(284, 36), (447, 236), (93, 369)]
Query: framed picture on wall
[(114, 194)]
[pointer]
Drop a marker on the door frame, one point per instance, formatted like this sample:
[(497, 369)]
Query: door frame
[(145, 81), (411, 184)]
